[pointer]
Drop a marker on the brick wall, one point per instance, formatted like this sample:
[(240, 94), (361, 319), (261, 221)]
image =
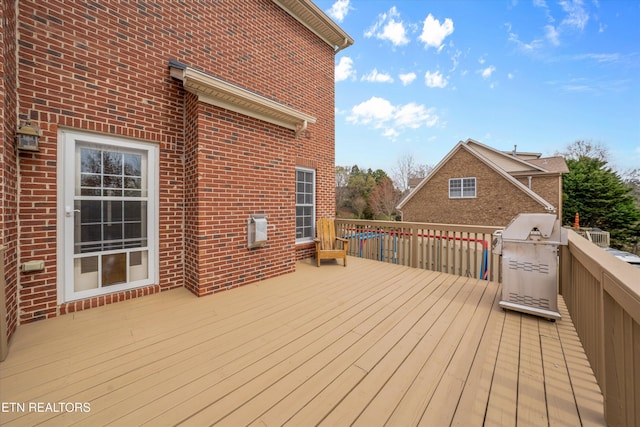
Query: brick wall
[(549, 187), (8, 166), (103, 67), (497, 201)]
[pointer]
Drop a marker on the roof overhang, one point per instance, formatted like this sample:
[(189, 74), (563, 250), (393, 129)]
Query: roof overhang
[(309, 15), (215, 91)]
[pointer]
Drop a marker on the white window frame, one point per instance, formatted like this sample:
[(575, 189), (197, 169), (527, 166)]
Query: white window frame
[(461, 182), (313, 205), (67, 140)]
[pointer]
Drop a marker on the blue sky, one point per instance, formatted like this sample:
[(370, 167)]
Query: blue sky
[(423, 75)]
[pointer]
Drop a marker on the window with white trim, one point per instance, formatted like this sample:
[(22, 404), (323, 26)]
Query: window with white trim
[(462, 188), (305, 204)]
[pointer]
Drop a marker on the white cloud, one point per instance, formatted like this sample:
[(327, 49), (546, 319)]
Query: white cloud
[(433, 33), (344, 69), (534, 46), (552, 35), (486, 73), (407, 78), (339, 10), (577, 17), (391, 133), (389, 27), (511, 76), (414, 116), (455, 59), (598, 57), (543, 5), (376, 77), (435, 79), (379, 113), (375, 110)]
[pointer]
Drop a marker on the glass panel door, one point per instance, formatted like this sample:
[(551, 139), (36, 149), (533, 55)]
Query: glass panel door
[(108, 214)]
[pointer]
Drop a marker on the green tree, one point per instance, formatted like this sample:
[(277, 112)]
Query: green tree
[(632, 178), (602, 199), (384, 198), (354, 189), (342, 189)]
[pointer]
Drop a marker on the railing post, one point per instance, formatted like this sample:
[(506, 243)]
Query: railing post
[(414, 246)]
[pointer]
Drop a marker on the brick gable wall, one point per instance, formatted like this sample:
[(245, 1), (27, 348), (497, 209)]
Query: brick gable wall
[(549, 187), (497, 201), (103, 67)]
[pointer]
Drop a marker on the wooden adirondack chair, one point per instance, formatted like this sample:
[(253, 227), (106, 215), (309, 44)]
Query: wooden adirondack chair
[(328, 246)]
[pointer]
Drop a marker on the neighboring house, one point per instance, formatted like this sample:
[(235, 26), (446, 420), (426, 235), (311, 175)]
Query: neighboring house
[(476, 184), (166, 126), (413, 183)]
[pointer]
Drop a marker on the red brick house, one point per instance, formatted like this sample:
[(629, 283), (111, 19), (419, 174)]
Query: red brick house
[(477, 185), (166, 127)]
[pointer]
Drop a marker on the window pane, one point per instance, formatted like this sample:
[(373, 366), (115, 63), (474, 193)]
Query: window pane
[(112, 232), (134, 183), (90, 161), (305, 201), (112, 211), (138, 265), (91, 233), (112, 162), (132, 165), (469, 187), (90, 210), (112, 181), (133, 210), (90, 180), (85, 273), (455, 188)]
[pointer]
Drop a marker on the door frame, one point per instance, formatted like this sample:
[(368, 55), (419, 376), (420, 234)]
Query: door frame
[(66, 141)]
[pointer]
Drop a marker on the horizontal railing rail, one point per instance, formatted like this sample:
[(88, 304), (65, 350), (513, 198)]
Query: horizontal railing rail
[(456, 249), (602, 294)]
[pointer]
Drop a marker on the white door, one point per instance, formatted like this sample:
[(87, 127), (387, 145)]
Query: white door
[(108, 214)]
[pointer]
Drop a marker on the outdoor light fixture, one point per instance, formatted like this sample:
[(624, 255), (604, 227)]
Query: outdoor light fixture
[(27, 137)]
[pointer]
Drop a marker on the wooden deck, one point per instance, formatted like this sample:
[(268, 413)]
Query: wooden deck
[(371, 344)]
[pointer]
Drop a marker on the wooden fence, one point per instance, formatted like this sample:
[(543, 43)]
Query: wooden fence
[(454, 249), (602, 294), (598, 237)]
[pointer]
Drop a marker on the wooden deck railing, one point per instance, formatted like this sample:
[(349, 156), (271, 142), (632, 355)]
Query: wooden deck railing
[(602, 294), (600, 238), (455, 249)]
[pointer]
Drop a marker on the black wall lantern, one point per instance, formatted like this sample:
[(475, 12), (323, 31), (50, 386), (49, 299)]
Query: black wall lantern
[(27, 137)]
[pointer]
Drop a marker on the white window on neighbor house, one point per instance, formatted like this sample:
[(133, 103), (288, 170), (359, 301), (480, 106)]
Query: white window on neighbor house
[(462, 188), (305, 204)]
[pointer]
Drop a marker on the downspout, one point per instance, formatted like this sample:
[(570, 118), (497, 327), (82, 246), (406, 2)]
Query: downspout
[(302, 128), (344, 45)]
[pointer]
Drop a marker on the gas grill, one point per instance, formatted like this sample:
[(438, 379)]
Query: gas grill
[(529, 250)]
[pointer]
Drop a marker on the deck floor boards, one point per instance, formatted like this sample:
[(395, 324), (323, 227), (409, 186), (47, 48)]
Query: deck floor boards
[(371, 344)]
